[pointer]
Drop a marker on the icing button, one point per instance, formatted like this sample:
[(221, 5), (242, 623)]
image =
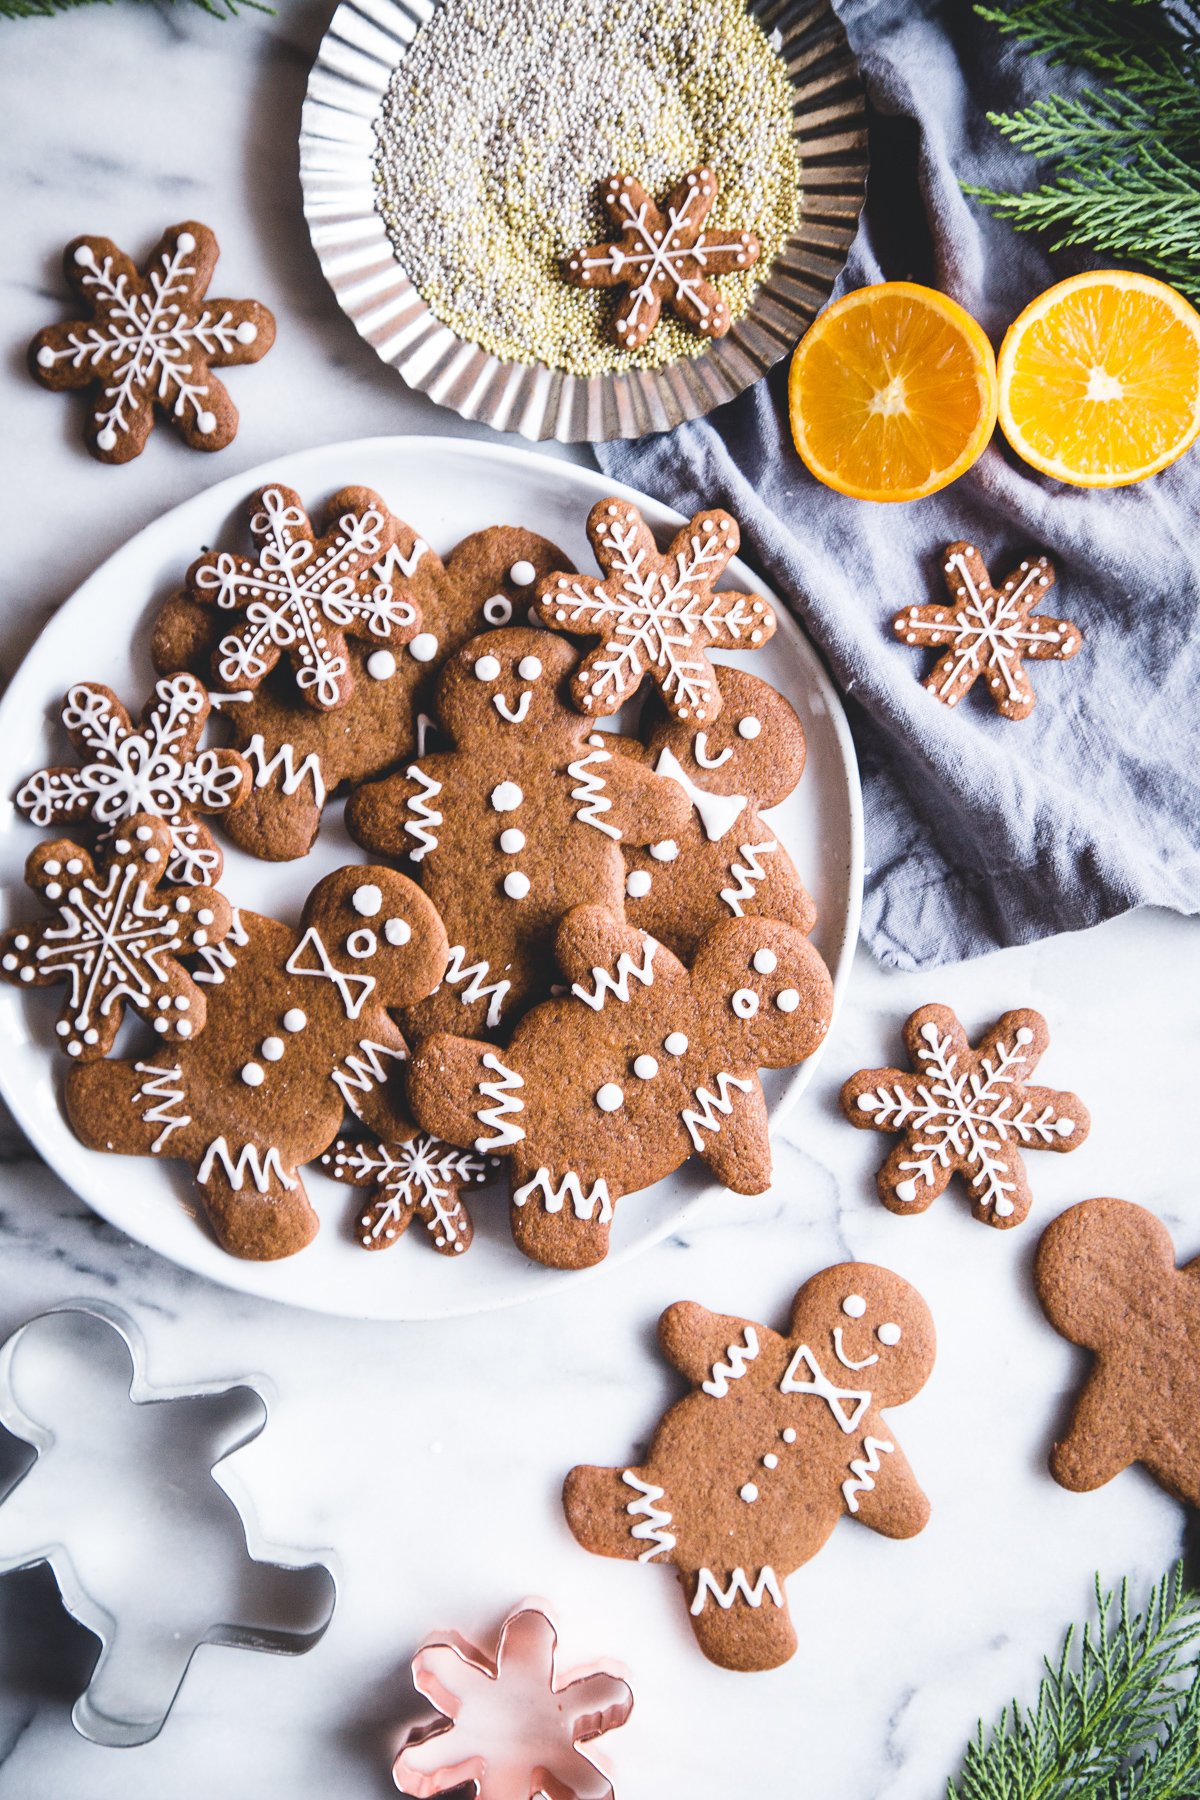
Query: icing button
[(522, 573), (253, 1074), (424, 647), (381, 665)]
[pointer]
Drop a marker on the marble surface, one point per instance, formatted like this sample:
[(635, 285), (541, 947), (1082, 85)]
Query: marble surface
[(427, 1459)]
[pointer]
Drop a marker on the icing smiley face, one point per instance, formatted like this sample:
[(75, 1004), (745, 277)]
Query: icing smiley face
[(870, 1335), (508, 678)]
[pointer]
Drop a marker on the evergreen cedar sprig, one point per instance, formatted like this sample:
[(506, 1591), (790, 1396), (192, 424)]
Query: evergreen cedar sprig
[(1125, 157), (1118, 1721), (46, 9)]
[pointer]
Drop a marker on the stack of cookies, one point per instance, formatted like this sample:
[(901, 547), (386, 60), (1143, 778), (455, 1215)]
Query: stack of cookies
[(574, 950)]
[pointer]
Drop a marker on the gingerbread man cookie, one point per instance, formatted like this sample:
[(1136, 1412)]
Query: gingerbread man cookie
[(727, 862), (782, 1437), (298, 1035), (642, 1064), (116, 938), (1105, 1274), (523, 819), (967, 1111), (152, 342), (153, 767), (655, 612), (300, 756), (299, 595)]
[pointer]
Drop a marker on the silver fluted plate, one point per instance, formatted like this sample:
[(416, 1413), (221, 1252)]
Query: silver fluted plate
[(365, 41)]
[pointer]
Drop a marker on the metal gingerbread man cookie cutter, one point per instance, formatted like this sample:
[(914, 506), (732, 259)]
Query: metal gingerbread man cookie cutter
[(151, 1553)]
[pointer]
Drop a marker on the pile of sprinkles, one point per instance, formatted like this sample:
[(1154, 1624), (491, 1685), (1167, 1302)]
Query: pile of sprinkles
[(506, 116)]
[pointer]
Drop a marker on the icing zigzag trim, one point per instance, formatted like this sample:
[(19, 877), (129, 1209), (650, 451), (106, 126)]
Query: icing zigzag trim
[(591, 792), (596, 1203), (506, 1103), (746, 874), (457, 969), (618, 985), (712, 1104), (862, 1468), (738, 1588), (652, 1520), (724, 1372), (427, 817)]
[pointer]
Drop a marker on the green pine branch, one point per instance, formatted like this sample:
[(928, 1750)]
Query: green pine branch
[(46, 9), (1117, 1716), (1123, 159)]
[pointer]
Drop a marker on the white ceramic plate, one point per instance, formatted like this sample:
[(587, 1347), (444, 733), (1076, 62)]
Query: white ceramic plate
[(448, 489)]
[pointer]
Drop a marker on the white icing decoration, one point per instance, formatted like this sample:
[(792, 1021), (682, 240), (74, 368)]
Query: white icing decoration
[(744, 1003), (512, 840), (421, 827), (165, 1088), (675, 1043), (765, 961), (283, 763), (618, 986), (498, 1116), (705, 761), (498, 610), (381, 665), (609, 1097), (965, 1113), (740, 1355), (591, 792), (522, 573), (367, 900), (712, 1104), (516, 715), (253, 1074), (749, 727), (506, 797), (748, 1493), (718, 813), (653, 1520), (637, 883), (596, 1202), (787, 1000), (746, 874), (294, 1019), (854, 1306), (260, 1169), (358, 1075), (424, 647), (529, 668), (847, 1362), (666, 850), (487, 668), (352, 988), (362, 944), (220, 959), (516, 884), (862, 1468), (738, 1588), (397, 931), (645, 1067), (770, 1460), (271, 1049), (294, 589), (457, 970), (822, 1388), (889, 1334)]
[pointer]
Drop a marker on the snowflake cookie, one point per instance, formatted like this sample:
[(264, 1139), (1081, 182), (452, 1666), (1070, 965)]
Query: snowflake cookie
[(300, 594), (641, 1064), (782, 1436), (727, 862), (655, 613), (663, 257), (965, 1110), (153, 340), (407, 1178), (522, 819), (1106, 1277), (153, 767), (511, 1729), (116, 938), (299, 755), (299, 1035), (989, 631)]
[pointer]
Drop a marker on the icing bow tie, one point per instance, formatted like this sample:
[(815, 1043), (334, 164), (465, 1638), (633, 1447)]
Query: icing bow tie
[(824, 1389), (719, 813)]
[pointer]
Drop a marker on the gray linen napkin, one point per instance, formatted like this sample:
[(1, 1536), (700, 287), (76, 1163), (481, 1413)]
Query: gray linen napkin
[(980, 831)]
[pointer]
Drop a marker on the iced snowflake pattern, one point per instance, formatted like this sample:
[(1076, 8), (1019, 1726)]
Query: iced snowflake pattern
[(967, 1110), (510, 1727), (300, 594), (654, 612), (115, 938), (154, 767), (989, 631), (418, 1178), (152, 340), (663, 257)]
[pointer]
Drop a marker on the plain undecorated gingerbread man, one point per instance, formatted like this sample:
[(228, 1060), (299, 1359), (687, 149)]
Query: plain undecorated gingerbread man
[(727, 861), (298, 1034), (522, 820), (640, 1065), (748, 1475), (1106, 1277)]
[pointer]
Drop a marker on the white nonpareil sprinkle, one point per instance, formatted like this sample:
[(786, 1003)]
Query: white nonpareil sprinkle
[(502, 121)]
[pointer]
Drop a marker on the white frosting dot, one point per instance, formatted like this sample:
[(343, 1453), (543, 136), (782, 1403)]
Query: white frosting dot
[(487, 668), (253, 1075), (507, 797), (749, 1493), (45, 357), (516, 885), (744, 1003), (424, 647), (367, 900), (85, 256), (675, 1043), (271, 1049), (609, 1097), (788, 1434), (666, 851), (106, 439), (397, 931), (765, 961), (637, 883), (246, 332), (749, 727), (529, 668), (186, 242), (206, 423), (512, 840), (889, 1334), (787, 999), (854, 1306), (381, 665), (1024, 1035), (770, 1460), (906, 1191), (522, 573), (645, 1067), (294, 1019)]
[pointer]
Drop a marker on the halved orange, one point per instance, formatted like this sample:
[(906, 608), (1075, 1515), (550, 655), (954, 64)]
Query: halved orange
[(1100, 379), (892, 393)]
